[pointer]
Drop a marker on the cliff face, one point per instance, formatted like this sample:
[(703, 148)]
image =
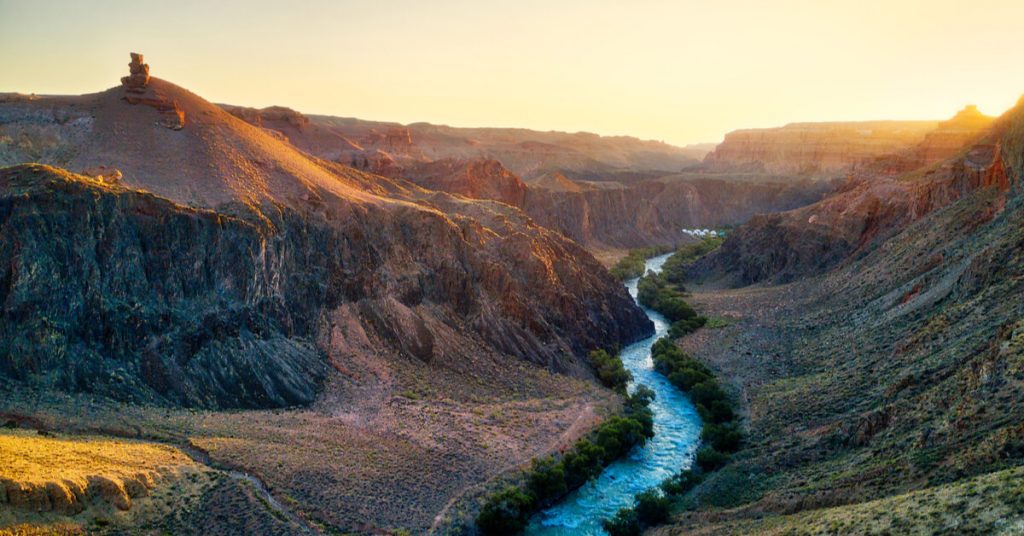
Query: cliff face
[(282, 270), (477, 179), (526, 153), (814, 148), (655, 211), (628, 200), (878, 201)]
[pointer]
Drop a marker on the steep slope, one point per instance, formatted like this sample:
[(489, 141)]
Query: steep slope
[(286, 267), (655, 211), (896, 376), (814, 148), (879, 199), (527, 153)]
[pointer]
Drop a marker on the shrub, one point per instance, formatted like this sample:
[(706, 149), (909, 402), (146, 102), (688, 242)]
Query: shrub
[(632, 265), (681, 483), (707, 392), (582, 463), (625, 523), (506, 512), (709, 459), (674, 269), (610, 370), (687, 378), (547, 480), (652, 508), (719, 412), (725, 437)]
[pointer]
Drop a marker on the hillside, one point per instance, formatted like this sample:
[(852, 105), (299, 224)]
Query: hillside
[(602, 192), (885, 386), (814, 148), (198, 262)]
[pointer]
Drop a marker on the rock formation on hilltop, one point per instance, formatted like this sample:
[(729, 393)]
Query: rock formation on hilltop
[(138, 75), (138, 91), (951, 135)]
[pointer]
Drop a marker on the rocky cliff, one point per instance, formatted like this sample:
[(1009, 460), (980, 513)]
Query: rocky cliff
[(227, 269), (527, 153), (878, 201), (655, 211), (902, 364), (814, 148)]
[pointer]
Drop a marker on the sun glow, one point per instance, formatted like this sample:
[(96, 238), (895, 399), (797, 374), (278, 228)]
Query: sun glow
[(678, 71)]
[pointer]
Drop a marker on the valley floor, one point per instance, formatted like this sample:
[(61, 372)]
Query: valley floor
[(820, 460), (378, 457)]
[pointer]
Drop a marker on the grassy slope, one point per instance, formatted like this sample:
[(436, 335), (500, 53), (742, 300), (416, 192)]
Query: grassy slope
[(901, 371)]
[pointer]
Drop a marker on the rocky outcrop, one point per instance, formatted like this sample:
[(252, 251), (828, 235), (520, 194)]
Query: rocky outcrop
[(478, 179), (138, 91), (138, 75), (656, 211), (874, 205), (814, 148), (103, 173), (951, 136)]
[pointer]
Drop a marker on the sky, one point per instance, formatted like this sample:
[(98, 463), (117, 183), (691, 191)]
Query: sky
[(682, 71)]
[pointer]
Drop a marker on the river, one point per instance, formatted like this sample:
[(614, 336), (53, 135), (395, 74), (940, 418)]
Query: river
[(676, 434)]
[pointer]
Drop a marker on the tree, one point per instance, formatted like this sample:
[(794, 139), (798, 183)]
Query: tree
[(625, 523), (652, 508), (547, 480), (505, 513)]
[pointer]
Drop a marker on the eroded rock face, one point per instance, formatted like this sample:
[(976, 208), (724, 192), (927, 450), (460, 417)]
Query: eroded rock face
[(138, 75), (479, 179), (156, 302), (814, 148), (879, 201), (654, 212)]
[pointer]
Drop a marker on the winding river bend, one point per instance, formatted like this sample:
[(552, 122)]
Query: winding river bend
[(676, 434)]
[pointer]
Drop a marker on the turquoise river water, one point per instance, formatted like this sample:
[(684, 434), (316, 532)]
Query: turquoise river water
[(676, 434)]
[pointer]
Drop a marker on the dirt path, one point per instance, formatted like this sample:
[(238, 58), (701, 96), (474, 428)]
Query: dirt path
[(579, 426), (200, 456)]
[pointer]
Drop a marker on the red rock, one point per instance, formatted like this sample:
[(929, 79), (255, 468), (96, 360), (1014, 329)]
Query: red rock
[(138, 77)]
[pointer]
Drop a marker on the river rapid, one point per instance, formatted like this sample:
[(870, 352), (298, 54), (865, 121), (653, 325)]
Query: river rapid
[(676, 435)]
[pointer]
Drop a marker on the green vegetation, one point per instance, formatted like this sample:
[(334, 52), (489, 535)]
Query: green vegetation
[(610, 371), (632, 265), (655, 292), (674, 269), (652, 508), (721, 436), (508, 511)]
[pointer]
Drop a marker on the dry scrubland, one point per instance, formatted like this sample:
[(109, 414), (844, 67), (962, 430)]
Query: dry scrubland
[(882, 392), (415, 453)]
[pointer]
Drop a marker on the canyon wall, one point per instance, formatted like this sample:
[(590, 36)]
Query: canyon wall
[(879, 200), (221, 267), (814, 148)]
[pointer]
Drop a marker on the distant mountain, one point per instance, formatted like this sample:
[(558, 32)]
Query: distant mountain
[(527, 153), (814, 148)]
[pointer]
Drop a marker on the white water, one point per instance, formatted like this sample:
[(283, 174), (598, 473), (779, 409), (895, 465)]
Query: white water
[(676, 434)]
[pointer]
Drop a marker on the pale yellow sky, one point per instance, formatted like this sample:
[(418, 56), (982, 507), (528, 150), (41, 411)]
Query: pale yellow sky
[(683, 72)]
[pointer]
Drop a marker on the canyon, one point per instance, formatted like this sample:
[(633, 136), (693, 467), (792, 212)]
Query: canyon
[(874, 338), (314, 324)]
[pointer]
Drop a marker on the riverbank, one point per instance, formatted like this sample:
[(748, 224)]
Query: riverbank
[(677, 433)]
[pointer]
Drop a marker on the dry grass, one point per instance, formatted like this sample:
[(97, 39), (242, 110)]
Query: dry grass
[(60, 474)]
